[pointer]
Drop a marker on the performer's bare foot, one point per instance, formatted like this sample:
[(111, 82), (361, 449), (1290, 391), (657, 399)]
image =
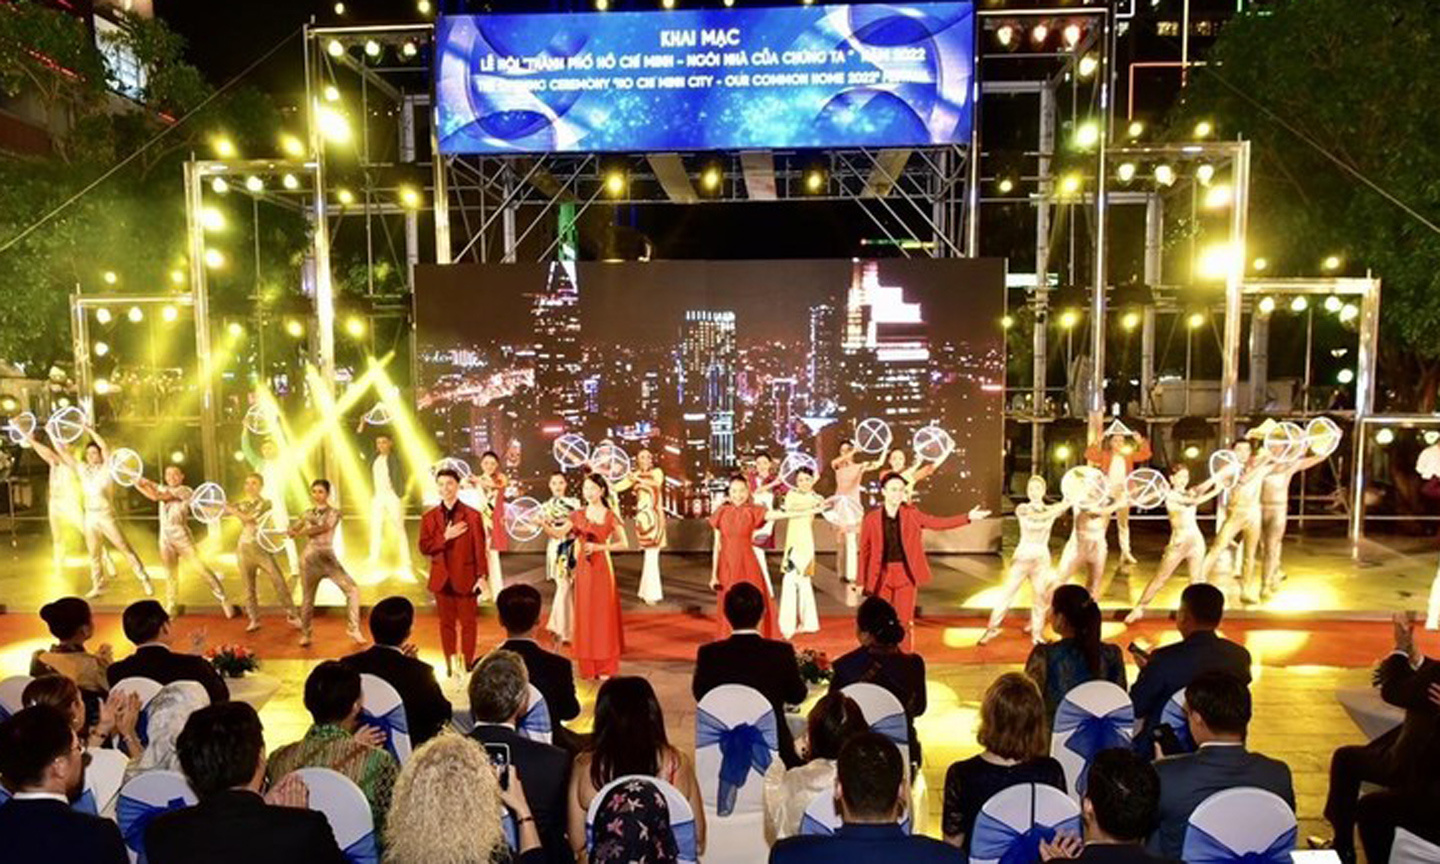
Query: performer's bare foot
[(1135, 615), (989, 636), (149, 587), (1127, 558), (252, 626), (294, 621), (95, 591), (1249, 598), (355, 635), (305, 639)]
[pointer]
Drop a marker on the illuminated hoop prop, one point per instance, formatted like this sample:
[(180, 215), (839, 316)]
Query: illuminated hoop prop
[(207, 503), (260, 420), (524, 518), (610, 461), (932, 444), (459, 466), (377, 416), (271, 533), (1085, 487), (1146, 488), (791, 465), (21, 428), (1325, 436), (1225, 468), (570, 451), (1287, 442), (843, 512), (66, 425), (126, 467), (873, 435)]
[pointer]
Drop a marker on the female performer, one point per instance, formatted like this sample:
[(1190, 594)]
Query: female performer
[(763, 483), (735, 522), (177, 544), (559, 553), (491, 483), (1187, 542), (649, 483), (251, 557), (64, 500), (597, 531), (100, 522), (849, 474), (1087, 547), (797, 594), (1242, 519), (911, 474), (1031, 561), (319, 562), (1275, 514)]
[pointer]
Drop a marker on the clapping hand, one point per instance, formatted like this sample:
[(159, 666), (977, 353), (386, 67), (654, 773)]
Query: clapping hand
[(291, 791), (1064, 846), (410, 649), (1404, 633), (456, 529), (370, 735)]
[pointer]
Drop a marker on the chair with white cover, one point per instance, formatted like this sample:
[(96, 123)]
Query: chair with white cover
[(736, 740), (1173, 715), (346, 809), (682, 818), (1409, 849), (883, 713), (103, 778), (1240, 824), (381, 707), (1012, 824), (820, 817), (11, 690), (145, 688), (145, 797), (1093, 716), (535, 722)]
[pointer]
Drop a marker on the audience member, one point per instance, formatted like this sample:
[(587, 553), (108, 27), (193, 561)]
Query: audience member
[(1079, 656), (632, 824), (1218, 712), (1404, 761), (745, 657), (393, 660), (167, 713), (1015, 732), (1122, 797), (629, 738), (880, 660), (222, 752), (43, 762), (147, 626), (870, 792), (70, 622), (834, 720), (119, 713), (1173, 667), (336, 740), (449, 806), (499, 697), (552, 674)]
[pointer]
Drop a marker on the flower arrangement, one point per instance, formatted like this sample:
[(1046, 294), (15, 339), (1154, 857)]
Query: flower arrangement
[(815, 666), (232, 661)]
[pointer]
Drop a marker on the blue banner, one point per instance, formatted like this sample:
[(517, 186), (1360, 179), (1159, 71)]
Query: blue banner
[(881, 75)]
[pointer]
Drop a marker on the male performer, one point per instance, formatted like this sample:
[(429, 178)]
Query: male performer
[(177, 544), (101, 523), (251, 557), (892, 549), (318, 525), (387, 503), (452, 534), (1242, 518), (1116, 460)]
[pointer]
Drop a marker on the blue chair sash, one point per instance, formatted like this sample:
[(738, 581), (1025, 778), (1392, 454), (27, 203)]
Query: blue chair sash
[(142, 729), (86, 803), (743, 747), (4, 714), (685, 840), (896, 727), (536, 720), (390, 723), (134, 816), (1174, 715), (810, 826), (1091, 733), (992, 839), (363, 851), (1201, 847)]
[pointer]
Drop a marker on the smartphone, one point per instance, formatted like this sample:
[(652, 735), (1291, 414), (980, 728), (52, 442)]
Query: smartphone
[(1168, 741), (1136, 649), (500, 758)]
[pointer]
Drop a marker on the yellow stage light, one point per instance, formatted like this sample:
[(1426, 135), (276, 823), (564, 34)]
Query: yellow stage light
[(214, 258), (292, 146), (710, 178), (814, 181), (177, 277), (602, 5), (224, 147), (219, 186), (1087, 135), (1219, 196), (238, 455), (409, 197), (668, 4), (1062, 453), (1164, 175), (1260, 265), (1130, 320), (63, 402), (1333, 303), (136, 314), (1345, 376), (1071, 34), (372, 48), (290, 182), (1430, 437), (339, 8), (1070, 184), (110, 277), (1126, 172), (1007, 321), (335, 48), (1192, 452), (1006, 186), (1005, 34), (1331, 263), (8, 404), (423, 7), (1267, 305), (615, 183), (1195, 320), (1087, 66), (101, 349), (1384, 436), (102, 386), (102, 315), (211, 219), (408, 49), (235, 329), (294, 327), (1215, 261), (333, 125), (1205, 173), (1349, 312), (1204, 128), (1136, 129), (345, 197), (177, 456), (355, 326), (1040, 33), (169, 313), (1069, 318), (332, 93), (1299, 304)]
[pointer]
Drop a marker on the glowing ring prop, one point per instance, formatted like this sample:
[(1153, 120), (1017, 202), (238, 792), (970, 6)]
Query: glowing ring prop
[(793, 463), (1085, 487), (260, 420), (66, 425), (1146, 488), (932, 444), (524, 518), (610, 461), (271, 533), (570, 451), (126, 467), (1226, 468), (1324, 436), (207, 503), (843, 512), (873, 435), (21, 428), (459, 466), (377, 416), (1287, 442)]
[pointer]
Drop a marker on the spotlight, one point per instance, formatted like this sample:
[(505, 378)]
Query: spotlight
[(335, 48), (63, 402), (1219, 196), (372, 48), (1087, 135), (729, 3), (224, 147), (1071, 34), (408, 49), (1349, 312), (1215, 261), (219, 186), (102, 386), (1005, 35), (1135, 129), (1087, 66), (1331, 263), (409, 198), (8, 404), (235, 329), (169, 313), (1260, 265), (211, 219), (1205, 173), (1069, 318), (710, 178), (423, 7), (102, 315), (1299, 304), (1267, 305), (615, 183), (1333, 303), (290, 182), (1203, 129), (177, 456), (1164, 175), (1384, 436), (339, 8), (1130, 320), (1070, 184), (110, 277), (294, 327), (602, 5), (1040, 33), (136, 314), (1062, 453), (1006, 186), (238, 455), (1345, 376), (668, 4), (1126, 172), (1192, 452), (292, 146), (1007, 321), (814, 180), (214, 259), (1430, 437), (332, 93), (1195, 320), (345, 197), (333, 125), (355, 326), (101, 349)]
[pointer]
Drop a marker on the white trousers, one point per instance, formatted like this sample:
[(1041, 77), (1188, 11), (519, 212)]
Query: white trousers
[(651, 591), (388, 512), (797, 596), (1035, 569)]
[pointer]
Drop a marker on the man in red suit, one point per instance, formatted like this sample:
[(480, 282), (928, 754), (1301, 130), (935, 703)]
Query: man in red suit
[(892, 549), (453, 535)]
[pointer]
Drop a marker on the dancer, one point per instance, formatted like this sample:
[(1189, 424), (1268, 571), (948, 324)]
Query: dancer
[(387, 504), (912, 474), (763, 485), (1274, 516), (797, 594), (1116, 459), (560, 559), (1242, 519), (849, 475), (649, 483), (735, 522), (1086, 546), (318, 562), (63, 497), (599, 638), (101, 525), (1031, 562), (177, 544), (252, 557), (452, 535), (892, 548), (1187, 542), (491, 482), (277, 474)]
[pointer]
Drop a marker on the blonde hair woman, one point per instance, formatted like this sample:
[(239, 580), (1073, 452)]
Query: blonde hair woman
[(448, 805)]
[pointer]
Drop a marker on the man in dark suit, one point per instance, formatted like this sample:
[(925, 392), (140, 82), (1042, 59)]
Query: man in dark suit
[(147, 625), (43, 762), (870, 791), (498, 699), (392, 659), (746, 657), (1218, 711), (452, 535), (222, 751), (1122, 801), (1173, 667), (552, 674)]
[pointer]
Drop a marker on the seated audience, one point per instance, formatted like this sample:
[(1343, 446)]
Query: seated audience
[(629, 738), (147, 626), (1122, 797), (632, 825), (167, 715), (1218, 711), (222, 753), (1015, 733), (1173, 667), (834, 720), (870, 791), (1079, 656), (336, 741), (552, 674), (118, 715), (499, 697), (43, 764), (449, 806), (745, 657), (72, 626), (392, 659), (880, 660), (1404, 761)]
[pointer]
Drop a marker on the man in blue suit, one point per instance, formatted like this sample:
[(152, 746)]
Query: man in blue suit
[(870, 791)]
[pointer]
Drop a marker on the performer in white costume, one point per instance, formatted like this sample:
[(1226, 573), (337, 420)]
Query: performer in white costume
[(277, 479), (1086, 549), (251, 557), (1031, 561), (648, 482), (1187, 542), (65, 505), (1116, 459), (387, 504), (101, 524), (177, 544), (558, 554), (797, 593), (849, 475), (1275, 514), (1242, 519)]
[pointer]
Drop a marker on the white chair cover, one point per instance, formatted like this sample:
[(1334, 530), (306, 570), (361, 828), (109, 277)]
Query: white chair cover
[(821, 818), (1409, 849), (736, 741), (682, 818), (535, 723), (882, 712), (145, 797), (1093, 716), (346, 809), (1242, 824), (145, 688), (1012, 824), (10, 691), (383, 709), (103, 777)]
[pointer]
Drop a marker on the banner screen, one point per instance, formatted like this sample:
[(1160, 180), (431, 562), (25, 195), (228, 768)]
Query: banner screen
[(882, 75)]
